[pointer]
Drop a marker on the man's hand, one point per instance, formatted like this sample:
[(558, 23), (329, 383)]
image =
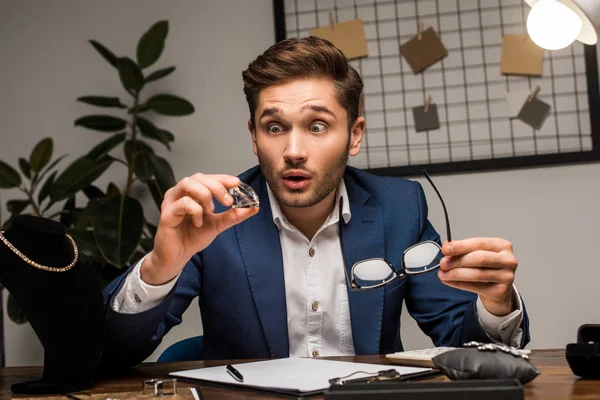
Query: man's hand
[(485, 266), (188, 224)]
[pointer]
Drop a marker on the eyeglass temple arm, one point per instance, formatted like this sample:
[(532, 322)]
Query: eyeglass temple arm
[(443, 205)]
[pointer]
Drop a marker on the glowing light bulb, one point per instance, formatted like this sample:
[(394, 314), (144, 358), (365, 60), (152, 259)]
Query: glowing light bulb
[(553, 25)]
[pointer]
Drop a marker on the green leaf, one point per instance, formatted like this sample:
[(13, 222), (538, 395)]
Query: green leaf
[(140, 108), (167, 104), (149, 130), (165, 178), (25, 168), (66, 216), (112, 190), (86, 217), (52, 165), (15, 312), (151, 228), (156, 193), (104, 52), (93, 192), (9, 177), (104, 147), (147, 244), (167, 135), (15, 207), (7, 223), (143, 167), (130, 74), (77, 176), (158, 74), (102, 101), (118, 228), (41, 154), (85, 240), (103, 123), (140, 147), (152, 43), (45, 190)]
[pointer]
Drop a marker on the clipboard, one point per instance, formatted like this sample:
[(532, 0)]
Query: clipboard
[(289, 376)]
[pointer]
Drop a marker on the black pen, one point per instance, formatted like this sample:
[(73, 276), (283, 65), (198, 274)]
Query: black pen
[(234, 373)]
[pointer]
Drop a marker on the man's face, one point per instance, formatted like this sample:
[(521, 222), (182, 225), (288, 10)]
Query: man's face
[(302, 141)]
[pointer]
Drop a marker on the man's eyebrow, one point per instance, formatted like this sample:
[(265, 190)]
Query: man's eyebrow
[(267, 112), (318, 108)]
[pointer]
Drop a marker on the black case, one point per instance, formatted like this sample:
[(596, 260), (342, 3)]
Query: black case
[(584, 356), (476, 389)]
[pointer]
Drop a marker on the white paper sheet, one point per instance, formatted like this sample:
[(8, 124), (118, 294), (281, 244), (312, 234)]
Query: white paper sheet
[(290, 374)]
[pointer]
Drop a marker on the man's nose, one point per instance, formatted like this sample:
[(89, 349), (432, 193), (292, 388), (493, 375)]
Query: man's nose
[(295, 149)]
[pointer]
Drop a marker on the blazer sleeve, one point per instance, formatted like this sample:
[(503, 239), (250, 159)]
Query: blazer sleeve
[(131, 338), (447, 315)]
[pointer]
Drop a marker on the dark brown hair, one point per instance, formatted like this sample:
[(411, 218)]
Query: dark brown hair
[(308, 57)]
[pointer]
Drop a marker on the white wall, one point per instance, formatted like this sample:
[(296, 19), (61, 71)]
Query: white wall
[(550, 214)]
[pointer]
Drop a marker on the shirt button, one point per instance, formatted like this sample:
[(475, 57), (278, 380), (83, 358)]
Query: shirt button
[(315, 305), (315, 353), (137, 298), (311, 252)]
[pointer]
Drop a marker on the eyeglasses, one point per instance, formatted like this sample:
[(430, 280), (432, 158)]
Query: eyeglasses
[(417, 259), (366, 377), (382, 376)]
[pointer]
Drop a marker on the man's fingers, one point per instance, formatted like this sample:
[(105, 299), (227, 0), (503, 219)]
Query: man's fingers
[(189, 187), (202, 188), (480, 258), (233, 216), (460, 247), (482, 275), (174, 213), (219, 186), (484, 289)]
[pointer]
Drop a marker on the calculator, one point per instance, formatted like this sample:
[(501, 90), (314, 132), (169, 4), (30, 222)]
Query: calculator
[(418, 358), (422, 357)]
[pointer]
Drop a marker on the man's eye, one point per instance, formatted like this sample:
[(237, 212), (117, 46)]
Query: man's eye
[(318, 127), (274, 128)]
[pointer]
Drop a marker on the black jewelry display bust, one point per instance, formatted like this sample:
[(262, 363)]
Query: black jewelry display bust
[(64, 308)]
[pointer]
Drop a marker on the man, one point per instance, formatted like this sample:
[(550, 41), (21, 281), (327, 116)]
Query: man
[(270, 280)]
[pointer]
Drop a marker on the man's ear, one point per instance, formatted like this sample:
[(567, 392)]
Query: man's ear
[(356, 136), (253, 134)]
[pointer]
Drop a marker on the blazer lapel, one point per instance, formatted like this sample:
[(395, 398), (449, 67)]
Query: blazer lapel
[(363, 237), (260, 248)]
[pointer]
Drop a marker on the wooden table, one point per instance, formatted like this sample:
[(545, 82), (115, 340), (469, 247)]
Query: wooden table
[(556, 380)]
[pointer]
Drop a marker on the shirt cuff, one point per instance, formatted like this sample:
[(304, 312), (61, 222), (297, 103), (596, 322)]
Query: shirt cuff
[(504, 329), (137, 296)]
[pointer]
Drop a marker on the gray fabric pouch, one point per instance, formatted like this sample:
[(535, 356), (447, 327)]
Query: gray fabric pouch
[(471, 363)]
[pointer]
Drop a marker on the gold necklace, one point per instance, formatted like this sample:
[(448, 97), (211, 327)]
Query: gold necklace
[(40, 266)]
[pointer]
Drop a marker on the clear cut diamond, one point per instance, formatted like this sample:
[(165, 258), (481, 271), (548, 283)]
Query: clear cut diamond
[(244, 196)]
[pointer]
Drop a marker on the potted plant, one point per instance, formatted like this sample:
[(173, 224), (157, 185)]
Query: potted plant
[(110, 226)]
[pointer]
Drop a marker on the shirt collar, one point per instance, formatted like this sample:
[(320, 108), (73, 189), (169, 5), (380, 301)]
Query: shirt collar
[(281, 221)]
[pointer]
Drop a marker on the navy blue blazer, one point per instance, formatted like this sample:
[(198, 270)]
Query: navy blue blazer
[(239, 283)]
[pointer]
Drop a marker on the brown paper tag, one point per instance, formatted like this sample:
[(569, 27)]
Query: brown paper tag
[(426, 121), (420, 54), (534, 113), (521, 56), (347, 36)]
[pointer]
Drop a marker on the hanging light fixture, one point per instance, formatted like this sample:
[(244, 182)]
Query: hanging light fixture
[(555, 24)]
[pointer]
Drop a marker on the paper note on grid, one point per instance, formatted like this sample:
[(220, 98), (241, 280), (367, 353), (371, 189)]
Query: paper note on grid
[(299, 374)]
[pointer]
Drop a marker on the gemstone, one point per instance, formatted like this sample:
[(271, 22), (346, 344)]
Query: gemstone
[(244, 196)]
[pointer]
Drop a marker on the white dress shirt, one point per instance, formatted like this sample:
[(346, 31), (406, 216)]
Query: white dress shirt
[(318, 313)]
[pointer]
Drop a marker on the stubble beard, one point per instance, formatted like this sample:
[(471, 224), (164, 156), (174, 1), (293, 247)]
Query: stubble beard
[(321, 184)]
